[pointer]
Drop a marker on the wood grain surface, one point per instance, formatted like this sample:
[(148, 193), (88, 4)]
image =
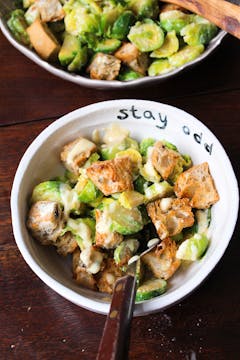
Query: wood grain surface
[(37, 323)]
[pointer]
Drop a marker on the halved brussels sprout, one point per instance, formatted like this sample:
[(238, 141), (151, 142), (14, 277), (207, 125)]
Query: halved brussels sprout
[(107, 46), (122, 25), (169, 47), (83, 229), (192, 249), (198, 33), (145, 144), (129, 74), (18, 25), (185, 55), (125, 251), (109, 151), (69, 49), (150, 289), (159, 67), (130, 199), (144, 8), (158, 190), (78, 20), (124, 221), (146, 35), (174, 20), (89, 192)]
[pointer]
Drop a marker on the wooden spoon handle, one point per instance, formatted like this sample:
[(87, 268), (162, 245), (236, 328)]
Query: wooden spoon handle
[(116, 334), (220, 12)]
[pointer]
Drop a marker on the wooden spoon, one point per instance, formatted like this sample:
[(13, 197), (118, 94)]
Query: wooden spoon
[(224, 14)]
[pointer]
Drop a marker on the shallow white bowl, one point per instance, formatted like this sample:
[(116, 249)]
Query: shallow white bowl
[(143, 119), (7, 5)]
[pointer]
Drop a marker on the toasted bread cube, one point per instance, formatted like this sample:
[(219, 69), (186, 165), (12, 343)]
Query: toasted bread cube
[(198, 186), (104, 67), (162, 261), (105, 238), (106, 279), (45, 221), (80, 273), (129, 54), (171, 220), (76, 153), (112, 176), (50, 10), (43, 40), (66, 244), (164, 159)]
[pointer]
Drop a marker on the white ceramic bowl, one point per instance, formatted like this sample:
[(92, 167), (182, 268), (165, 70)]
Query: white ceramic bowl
[(8, 5), (143, 119)]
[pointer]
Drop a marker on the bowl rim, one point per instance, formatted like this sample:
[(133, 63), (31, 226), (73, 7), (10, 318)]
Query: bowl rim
[(104, 84), (94, 305)]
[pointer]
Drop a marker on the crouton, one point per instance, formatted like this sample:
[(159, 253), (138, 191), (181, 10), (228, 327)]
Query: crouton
[(162, 261), (43, 40), (198, 186), (170, 220), (104, 237), (164, 159), (129, 54), (66, 244), (50, 10), (112, 176), (104, 67), (80, 273), (45, 221), (106, 279), (76, 153)]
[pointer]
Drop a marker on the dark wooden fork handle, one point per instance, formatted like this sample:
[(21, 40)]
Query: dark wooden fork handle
[(116, 334)]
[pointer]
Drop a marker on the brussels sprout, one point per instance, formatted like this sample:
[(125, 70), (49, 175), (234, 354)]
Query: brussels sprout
[(169, 47), (92, 159), (146, 36), (110, 14), (159, 67), (79, 60), (150, 289), (122, 25), (130, 199), (107, 46), (203, 219), (83, 229), (158, 190), (27, 3), (129, 74), (18, 25), (47, 190), (78, 20), (183, 56), (169, 145), (32, 14), (144, 8), (174, 20), (145, 144), (135, 157), (198, 33), (149, 173), (59, 192), (187, 161), (89, 192), (192, 249), (109, 151), (124, 221), (69, 49), (139, 272), (140, 184), (125, 251)]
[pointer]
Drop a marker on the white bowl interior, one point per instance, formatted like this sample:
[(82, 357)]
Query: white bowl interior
[(143, 119)]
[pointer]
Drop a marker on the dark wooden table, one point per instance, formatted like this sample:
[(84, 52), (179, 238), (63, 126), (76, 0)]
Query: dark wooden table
[(35, 322)]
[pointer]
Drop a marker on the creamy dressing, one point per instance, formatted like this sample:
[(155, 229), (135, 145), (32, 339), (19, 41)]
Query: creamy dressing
[(92, 259), (115, 134), (69, 199)]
